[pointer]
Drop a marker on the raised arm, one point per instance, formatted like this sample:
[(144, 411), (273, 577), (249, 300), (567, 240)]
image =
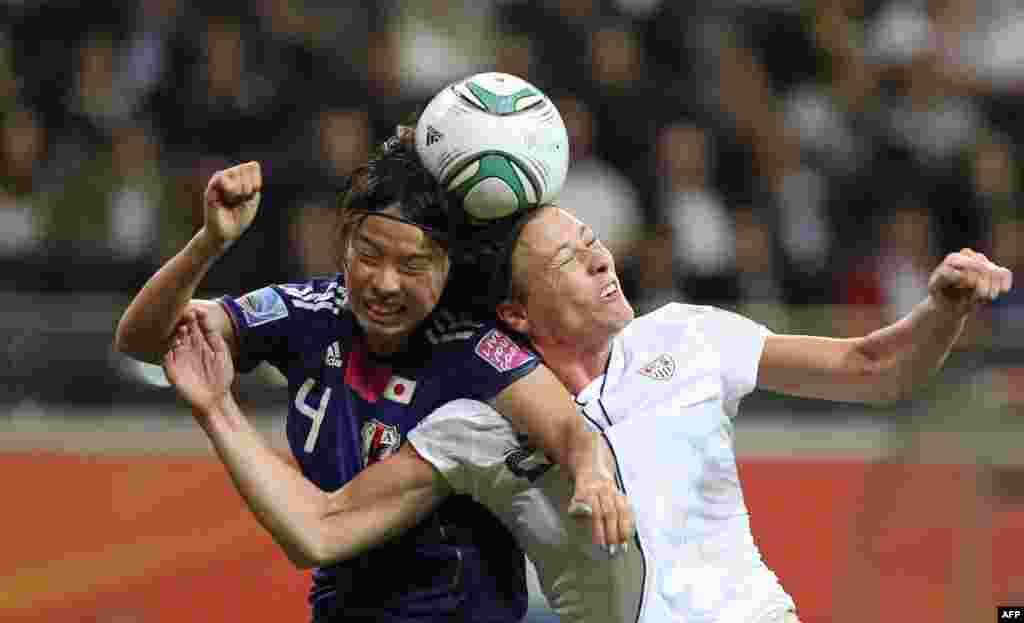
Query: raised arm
[(313, 527), (890, 363), (540, 406), (230, 203)]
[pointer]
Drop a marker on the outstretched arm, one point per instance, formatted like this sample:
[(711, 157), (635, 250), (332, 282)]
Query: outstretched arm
[(312, 526), (230, 203), (890, 363)]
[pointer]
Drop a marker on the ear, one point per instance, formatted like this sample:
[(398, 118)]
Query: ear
[(513, 314)]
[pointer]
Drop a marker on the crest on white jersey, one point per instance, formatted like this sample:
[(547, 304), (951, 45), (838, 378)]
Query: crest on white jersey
[(661, 369), (380, 441), (333, 358)]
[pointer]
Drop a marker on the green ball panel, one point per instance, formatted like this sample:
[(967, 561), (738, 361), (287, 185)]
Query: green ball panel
[(493, 165)]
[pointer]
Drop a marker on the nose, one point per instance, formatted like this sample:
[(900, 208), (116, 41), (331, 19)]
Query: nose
[(385, 282), (599, 261)]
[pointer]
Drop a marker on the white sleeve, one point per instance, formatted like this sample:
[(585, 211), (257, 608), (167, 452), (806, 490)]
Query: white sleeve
[(739, 342), (462, 439)]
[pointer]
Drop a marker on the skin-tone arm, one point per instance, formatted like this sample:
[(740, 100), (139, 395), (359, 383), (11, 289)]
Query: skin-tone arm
[(890, 363), (312, 526), (230, 203), (540, 406)]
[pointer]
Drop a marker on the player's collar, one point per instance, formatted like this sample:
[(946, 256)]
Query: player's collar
[(612, 369)]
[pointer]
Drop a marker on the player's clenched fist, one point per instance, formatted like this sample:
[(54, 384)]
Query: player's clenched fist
[(231, 200), (966, 278)]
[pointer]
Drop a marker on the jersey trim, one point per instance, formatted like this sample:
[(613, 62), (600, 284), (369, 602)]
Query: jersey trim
[(636, 537)]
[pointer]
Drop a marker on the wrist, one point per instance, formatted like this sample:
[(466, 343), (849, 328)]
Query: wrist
[(944, 309), (217, 416), (208, 245)]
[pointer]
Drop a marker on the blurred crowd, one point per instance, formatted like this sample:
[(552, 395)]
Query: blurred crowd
[(729, 152)]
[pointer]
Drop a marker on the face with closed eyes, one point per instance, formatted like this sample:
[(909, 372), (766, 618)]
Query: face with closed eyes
[(564, 286), (395, 274)]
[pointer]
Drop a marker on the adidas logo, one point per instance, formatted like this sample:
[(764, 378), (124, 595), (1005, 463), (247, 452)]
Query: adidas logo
[(433, 135), (333, 358)]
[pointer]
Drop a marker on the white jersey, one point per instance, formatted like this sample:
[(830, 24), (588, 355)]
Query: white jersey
[(674, 381)]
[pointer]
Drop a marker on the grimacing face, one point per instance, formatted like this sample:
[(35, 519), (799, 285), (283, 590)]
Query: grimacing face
[(395, 274), (571, 292)]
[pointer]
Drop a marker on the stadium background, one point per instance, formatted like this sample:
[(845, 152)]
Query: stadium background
[(804, 162)]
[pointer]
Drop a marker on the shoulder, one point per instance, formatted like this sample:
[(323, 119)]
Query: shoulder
[(481, 357), (667, 318), (305, 307), (481, 340), (320, 294)]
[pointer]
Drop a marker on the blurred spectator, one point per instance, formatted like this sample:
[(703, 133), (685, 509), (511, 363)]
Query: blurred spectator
[(225, 103), (146, 55), (758, 276), (626, 104), (342, 142), (651, 274), (889, 283), (116, 205), (23, 157), (1007, 314), (704, 242), (96, 102), (599, 193), (440, 41)]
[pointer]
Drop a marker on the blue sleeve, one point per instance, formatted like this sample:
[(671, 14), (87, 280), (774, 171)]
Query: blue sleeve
[(489, 362), (278, 323)]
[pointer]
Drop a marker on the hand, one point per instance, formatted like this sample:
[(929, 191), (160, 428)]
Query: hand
[(610, 514), (966, 279), (199, 363), (231, 200)]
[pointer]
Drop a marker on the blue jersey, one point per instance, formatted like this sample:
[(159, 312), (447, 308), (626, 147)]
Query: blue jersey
[(349, 408)]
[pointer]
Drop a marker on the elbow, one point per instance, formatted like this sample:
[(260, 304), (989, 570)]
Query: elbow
[(304, 561), (887, 386), (130, 344), (875, 382), (308, 554), (313, 548)]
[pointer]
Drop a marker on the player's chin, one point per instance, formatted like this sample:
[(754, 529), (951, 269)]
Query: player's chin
[(621, 312)]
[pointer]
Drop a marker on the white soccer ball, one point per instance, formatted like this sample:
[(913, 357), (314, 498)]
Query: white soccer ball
[(497, 142)]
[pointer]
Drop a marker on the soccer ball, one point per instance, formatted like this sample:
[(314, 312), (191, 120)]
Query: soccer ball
[(495, 141)]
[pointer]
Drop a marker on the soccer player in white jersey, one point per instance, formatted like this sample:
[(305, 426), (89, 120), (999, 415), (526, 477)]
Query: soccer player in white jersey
[(663, 389)]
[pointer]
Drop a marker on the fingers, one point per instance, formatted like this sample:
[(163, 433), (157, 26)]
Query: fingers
[(239, 183), (211, 335), (969, 270), (626, 521), (608, 511)]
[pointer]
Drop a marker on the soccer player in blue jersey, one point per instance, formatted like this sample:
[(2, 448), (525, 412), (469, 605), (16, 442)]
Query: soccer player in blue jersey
[(367, 355)]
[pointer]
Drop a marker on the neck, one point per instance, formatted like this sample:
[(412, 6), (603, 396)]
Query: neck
[(575, 366)]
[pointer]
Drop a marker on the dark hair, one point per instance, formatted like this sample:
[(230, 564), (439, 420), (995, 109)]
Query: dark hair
[(482, 262), (394, 177)]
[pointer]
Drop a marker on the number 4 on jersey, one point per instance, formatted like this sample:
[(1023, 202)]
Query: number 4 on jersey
[(317, 415)]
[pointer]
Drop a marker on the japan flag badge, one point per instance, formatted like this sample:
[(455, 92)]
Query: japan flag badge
[(400, 389)]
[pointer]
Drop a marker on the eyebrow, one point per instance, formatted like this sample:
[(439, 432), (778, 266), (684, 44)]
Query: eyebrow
[(567, 244), (364, 239)]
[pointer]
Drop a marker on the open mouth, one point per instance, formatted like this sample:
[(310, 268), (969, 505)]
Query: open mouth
[(384, 312), (610, 290)]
